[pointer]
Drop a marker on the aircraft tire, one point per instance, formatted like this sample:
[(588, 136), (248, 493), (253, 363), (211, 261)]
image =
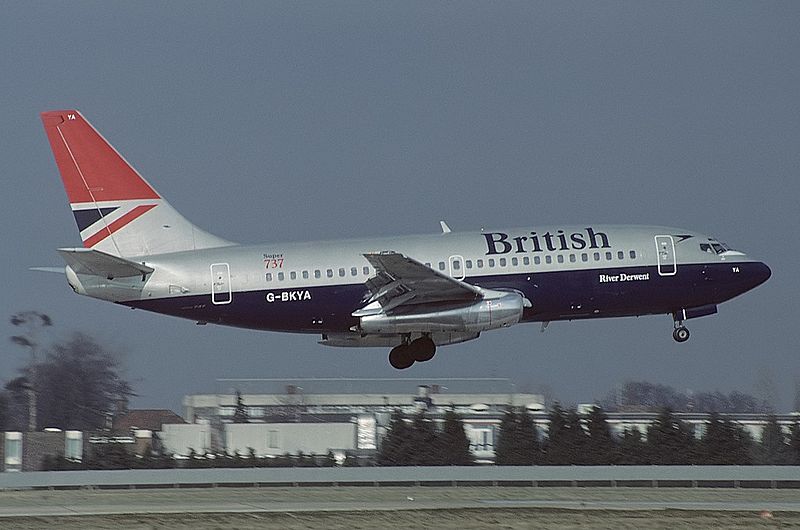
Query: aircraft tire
[(423, 349), (680, 334), (401, 357)]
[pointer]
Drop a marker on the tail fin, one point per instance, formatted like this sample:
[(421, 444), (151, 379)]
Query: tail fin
[(116, 210)]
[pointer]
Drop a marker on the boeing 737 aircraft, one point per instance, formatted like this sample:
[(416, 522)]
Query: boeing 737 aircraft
[(410, 293)]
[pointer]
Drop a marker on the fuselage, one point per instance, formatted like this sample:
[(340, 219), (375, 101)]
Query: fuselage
[(566, 272)]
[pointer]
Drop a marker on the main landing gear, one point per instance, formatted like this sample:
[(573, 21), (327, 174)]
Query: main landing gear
[(680, 333), (419, 350)]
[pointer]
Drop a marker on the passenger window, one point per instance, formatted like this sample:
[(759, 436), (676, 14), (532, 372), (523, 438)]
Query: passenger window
[(584, 257), (317, 274), (468, 263), (479, 263), (514, 262), (633, 254), (456, 265), (269, 276), (597, 256), (341, 272), (526, 260), (572, 258), (366, 271), (329, 273), (280, 276), (353, 271), (491, 262), (293, 275), (560, 258), (305, 275), (609, 256), (620, 255), (441, 265), (548, 259), (502, 262), (537, 260)]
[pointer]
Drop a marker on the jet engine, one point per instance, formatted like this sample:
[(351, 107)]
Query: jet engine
[(497, 309)]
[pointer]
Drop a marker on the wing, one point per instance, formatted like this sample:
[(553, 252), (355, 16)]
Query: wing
[(401, 280)]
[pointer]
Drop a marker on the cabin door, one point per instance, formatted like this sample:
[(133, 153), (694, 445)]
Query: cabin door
[(665, 250), (220, 284)]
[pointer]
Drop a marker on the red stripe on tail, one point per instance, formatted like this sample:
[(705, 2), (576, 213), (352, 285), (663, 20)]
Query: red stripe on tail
[(116, 225)]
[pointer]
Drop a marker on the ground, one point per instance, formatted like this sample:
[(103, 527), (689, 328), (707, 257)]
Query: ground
[(400, 508)]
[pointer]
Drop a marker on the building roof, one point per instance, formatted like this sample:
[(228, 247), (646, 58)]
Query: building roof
[(148, 419)]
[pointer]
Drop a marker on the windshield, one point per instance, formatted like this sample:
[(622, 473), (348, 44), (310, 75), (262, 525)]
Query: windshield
[(714, 247)]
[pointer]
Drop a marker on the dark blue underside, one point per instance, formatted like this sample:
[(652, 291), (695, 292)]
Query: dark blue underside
[(563, 295)]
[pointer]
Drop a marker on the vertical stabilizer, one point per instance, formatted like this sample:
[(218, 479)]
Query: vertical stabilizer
[(117, 211)]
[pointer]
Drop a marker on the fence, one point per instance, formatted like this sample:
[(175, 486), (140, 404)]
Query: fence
[(525, 476)]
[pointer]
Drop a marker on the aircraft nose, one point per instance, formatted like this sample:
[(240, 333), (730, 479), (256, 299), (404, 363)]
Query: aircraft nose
[(760, 273), (757, 273)]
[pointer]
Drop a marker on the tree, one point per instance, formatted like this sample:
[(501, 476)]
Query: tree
[(773, 450), (19, 400), (78, 385), (566, 440), (632, 449), (724, 443), (794, 444), (110, 456), (240, 413), (452, 445), (396, 448), (602, 448), (640, 396), (669, 441), (518, 441), (423, 441)]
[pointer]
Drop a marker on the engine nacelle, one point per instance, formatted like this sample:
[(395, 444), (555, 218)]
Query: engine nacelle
[(496, 310)]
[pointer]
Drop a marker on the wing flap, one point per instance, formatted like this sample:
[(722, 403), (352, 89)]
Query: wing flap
[(96, 263)]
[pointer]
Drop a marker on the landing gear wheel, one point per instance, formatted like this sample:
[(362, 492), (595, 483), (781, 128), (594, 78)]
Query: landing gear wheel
[(423, 349), (401, 357), (680, 334)]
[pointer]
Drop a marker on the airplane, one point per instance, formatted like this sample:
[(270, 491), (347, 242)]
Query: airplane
[(410, 293)]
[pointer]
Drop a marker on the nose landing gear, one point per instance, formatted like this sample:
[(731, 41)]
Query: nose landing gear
[(680, 333), (419, 350)]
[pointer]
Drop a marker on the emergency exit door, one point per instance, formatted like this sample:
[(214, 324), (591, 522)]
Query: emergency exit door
[(220, 284)]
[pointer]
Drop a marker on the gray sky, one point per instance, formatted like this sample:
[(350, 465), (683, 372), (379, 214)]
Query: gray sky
[(265, 121)]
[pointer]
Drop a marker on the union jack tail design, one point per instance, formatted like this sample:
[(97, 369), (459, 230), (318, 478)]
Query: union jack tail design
[(117, 211)]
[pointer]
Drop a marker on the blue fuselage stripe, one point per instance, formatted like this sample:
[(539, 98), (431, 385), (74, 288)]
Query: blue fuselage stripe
[(555, 295)]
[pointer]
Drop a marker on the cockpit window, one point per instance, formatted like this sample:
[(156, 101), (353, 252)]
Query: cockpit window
[(714, 247)]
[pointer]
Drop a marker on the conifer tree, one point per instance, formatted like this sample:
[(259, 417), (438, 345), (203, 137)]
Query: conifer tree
[(602, 448), (724, 443), (773, 450), (452, 447), (423, 441), (518, 442), (632, 449), (566, 439), (794, 445), (396, 447), (669, 441)]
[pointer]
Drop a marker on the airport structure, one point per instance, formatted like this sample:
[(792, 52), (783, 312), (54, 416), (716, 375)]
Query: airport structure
[(268, 418), (288, 415)]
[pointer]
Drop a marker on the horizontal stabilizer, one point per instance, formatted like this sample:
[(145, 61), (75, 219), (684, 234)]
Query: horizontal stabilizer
[(56, 270), (96, 263)]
